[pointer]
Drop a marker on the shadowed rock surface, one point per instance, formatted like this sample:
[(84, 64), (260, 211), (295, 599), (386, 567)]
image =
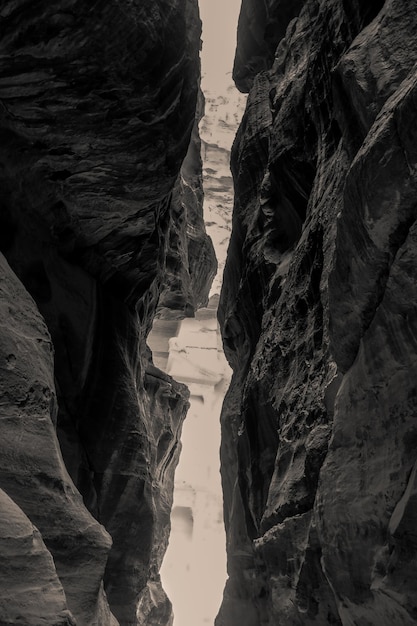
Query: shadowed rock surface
[(318, 314), (191, 261), (98, 104), (33, 471)]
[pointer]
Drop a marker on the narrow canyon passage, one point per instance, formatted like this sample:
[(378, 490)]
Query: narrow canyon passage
[(102, 234), (194, 570)]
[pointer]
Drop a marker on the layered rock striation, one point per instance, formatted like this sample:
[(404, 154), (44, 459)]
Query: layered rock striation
[(98, 105), (318, 313)]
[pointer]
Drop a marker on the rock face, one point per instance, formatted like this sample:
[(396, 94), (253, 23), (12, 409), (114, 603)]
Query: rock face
[(191, 261), (98, 104), (261, 27), (318, 312), (32, 470)]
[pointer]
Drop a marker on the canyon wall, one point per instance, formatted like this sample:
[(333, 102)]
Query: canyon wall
[(318, 314), (98, 106)]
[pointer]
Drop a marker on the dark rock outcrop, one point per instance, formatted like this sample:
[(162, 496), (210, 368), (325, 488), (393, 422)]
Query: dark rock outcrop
[(191, 261), (33, 472), (318, 314), (262, 24), (98, 104)]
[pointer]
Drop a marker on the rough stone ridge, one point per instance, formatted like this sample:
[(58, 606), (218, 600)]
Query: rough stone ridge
[(28, 558), (191, 261), (318, 318), (97, 108), (33, 471)]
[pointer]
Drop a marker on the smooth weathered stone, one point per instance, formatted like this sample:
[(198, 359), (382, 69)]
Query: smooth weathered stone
[(32, 471), (24, 557)]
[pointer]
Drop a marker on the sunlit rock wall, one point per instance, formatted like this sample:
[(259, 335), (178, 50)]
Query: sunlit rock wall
[(98, 103), (224, 107), (318, 312)]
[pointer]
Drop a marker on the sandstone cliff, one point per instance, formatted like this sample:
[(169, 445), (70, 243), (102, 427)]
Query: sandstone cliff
[(98, 103), (318, 312)]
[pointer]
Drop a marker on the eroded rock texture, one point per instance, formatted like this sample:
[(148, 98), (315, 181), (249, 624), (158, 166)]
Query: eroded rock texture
[(98, 103), (318, 311), (224, 107), (34, 474), (191, 261)]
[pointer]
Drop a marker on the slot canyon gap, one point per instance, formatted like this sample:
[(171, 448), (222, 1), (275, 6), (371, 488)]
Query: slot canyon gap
[(102, 233)]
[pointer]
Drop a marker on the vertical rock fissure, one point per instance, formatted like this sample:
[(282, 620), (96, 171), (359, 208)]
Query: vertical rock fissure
[(194, 570)]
